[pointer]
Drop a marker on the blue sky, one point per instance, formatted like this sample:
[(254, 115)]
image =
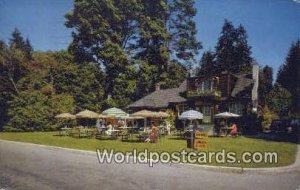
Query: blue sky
[(272, 25)]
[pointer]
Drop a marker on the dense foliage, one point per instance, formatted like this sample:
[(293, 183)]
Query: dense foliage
[(34, 89), (136, 43), (120, 50), (289, 77), (232, 52)]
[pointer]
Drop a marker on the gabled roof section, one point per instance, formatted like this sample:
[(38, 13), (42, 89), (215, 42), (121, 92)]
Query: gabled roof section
[(183, 86), (243, 82), (161, 98)]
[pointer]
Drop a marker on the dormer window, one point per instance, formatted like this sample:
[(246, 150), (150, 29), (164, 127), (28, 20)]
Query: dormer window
[(205, 85)]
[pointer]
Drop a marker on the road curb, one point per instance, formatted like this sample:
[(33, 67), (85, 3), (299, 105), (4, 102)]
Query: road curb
[(239, 170)]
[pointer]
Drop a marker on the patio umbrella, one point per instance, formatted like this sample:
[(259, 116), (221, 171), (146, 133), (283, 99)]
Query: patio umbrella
[(87, 114), (145, 114), (191, 115), (114, 112), (128, 117), (101, 116), (149, 114), (65, 116), (226, 115), (163, 114)]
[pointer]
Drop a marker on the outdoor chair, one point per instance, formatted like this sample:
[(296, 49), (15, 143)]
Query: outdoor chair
[(99, 131), (75, 132), (90, 133), (99, 136), (113, 135), (142, 136), (124, 135)]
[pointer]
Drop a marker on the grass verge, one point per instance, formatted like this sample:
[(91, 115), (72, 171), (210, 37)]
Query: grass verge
[(286, 151)]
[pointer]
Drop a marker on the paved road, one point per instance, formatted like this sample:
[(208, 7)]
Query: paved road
[(27, 166)]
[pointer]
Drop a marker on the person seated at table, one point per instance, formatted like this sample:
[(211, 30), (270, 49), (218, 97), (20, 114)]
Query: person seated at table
[(223, 127), (153, 134), (195, 125), (109, 128), (99, 129), (233, 130)]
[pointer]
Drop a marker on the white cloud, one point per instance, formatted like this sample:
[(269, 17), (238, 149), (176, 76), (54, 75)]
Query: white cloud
[(296, 1)]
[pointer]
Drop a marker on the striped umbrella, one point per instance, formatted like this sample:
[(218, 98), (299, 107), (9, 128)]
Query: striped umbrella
[(190, 115), (115, 112)]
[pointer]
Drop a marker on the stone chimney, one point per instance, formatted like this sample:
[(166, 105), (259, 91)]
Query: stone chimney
[(255, 77), (157, 87)]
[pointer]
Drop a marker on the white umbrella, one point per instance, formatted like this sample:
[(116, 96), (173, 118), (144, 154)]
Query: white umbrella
[(226, 115), (190, 115)]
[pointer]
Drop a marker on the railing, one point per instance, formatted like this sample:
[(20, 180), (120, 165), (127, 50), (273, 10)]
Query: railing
[(204, 93)]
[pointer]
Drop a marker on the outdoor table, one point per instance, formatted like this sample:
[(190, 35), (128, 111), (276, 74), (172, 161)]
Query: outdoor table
[(114, 133), (130, 132), (64, 131), (125, 127), (83, 132), (103, 128), (143, 136), (224, 130)]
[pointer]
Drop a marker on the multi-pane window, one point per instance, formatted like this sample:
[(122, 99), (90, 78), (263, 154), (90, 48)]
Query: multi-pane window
[(206, 110), (182, 108), (236, 108), (205, 85)]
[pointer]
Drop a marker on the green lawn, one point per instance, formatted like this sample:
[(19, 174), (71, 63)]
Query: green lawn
[(286, 151)]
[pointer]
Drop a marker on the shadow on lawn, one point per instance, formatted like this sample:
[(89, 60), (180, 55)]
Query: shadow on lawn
[(292, 138)]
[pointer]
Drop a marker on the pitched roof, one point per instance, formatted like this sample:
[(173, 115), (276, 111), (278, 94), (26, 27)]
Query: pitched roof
[(183, 86), (242, 83), (161, 98)]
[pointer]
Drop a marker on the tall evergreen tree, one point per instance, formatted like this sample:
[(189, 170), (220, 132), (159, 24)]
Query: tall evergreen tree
[(28, 49), (265, 84), (207, 65), (152, 46), (232, 50), (289, 75), (242, 54), (12, 70), (183, 31), (18, 42), (279, 100), (225, 47)]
